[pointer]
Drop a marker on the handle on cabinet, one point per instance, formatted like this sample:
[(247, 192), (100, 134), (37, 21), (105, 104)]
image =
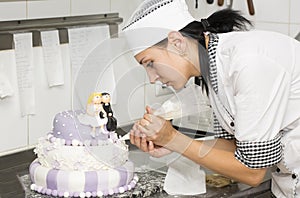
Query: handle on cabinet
[(250, 7), (220, 2)]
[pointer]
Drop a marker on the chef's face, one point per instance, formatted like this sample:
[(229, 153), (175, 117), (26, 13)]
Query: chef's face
[(165, 66)]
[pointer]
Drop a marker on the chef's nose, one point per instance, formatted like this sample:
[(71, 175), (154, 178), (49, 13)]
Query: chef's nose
[(153, 77)]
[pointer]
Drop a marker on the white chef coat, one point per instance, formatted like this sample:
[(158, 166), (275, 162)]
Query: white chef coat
[(258, 75)]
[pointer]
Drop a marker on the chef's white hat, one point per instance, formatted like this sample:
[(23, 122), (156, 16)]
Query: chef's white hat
[(153, 20)]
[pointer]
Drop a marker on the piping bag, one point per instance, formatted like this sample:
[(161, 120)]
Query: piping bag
[(188, 101), (184, 177)]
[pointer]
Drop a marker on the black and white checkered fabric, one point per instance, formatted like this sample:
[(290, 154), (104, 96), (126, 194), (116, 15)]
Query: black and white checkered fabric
[(252, 154), (212, 46), (259, 154)]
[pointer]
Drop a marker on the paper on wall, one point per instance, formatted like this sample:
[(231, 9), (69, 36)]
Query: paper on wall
[(52, 58), (5, 87), (89, 63), (24, 66)]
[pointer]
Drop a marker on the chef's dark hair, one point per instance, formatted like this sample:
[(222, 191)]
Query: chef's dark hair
[(222, 21)]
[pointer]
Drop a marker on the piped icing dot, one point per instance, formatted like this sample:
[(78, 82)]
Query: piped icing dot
[(64, 125), (66, 194), (56, 121), (58, 132), (32, 186), (94, 194), (99, 193), (52, 139), (54, 192), (48, 192), (111, 192), (136, 178), (82, 195), (121, 190), (70, 134), (60, 194), (88, 194), (39, 189), (68, 142), (44, 190)]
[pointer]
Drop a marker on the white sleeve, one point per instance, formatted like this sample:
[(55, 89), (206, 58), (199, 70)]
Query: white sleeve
[(261, 90)]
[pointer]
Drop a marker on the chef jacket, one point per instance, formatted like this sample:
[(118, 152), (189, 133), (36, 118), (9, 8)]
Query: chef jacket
[(254, 85)]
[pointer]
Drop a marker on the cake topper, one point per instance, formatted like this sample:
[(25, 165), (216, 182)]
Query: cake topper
[(111, 125), (95, 115)]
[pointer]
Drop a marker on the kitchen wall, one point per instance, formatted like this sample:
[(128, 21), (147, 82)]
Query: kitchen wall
[(19, 133)]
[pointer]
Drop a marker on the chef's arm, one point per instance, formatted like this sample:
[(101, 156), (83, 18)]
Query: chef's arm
[(218, 156)]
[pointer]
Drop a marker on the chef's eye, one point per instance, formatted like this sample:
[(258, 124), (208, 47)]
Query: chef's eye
[(149, 64)]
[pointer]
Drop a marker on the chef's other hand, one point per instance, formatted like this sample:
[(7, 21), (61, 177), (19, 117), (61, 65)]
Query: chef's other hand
[(156, 129), (139, 139)]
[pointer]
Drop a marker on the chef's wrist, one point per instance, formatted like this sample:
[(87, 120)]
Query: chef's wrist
[(179, 142)]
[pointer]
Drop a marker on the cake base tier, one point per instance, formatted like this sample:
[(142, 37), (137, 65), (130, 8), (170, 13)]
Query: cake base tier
[(61, 183)]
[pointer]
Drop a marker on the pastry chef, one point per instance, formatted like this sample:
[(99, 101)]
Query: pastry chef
[(252, 79)]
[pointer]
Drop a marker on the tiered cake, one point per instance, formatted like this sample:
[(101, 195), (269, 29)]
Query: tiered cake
[(81, 156)]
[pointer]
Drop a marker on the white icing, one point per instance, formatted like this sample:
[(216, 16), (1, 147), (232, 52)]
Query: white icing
[(40, 176), (80, 181), (113, 180), (54, 154)]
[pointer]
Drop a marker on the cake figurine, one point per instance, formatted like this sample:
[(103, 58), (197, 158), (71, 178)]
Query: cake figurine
[(95, 116), (111, 120), (73, 163)]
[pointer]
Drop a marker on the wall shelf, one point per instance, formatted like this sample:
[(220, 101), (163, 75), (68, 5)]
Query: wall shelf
[(8, 28)]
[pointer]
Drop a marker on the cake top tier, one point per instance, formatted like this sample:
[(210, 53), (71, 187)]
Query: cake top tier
[(95, 123)]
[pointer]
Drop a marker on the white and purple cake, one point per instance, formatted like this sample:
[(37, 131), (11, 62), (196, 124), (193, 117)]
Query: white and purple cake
[(80, 157)]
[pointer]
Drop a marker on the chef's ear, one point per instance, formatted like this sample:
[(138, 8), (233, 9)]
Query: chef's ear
[(177, 41)]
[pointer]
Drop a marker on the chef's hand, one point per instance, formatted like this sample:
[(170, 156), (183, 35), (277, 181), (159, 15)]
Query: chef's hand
[(139, 139), (156, 129)]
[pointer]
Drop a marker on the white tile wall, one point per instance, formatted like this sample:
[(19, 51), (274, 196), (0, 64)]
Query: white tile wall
[(280, 16), (12, 10), (277, 27), (86, 7), (13, 127), (295, 11), (49, 101), (267, 10), (47, 9), (124, 11)]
